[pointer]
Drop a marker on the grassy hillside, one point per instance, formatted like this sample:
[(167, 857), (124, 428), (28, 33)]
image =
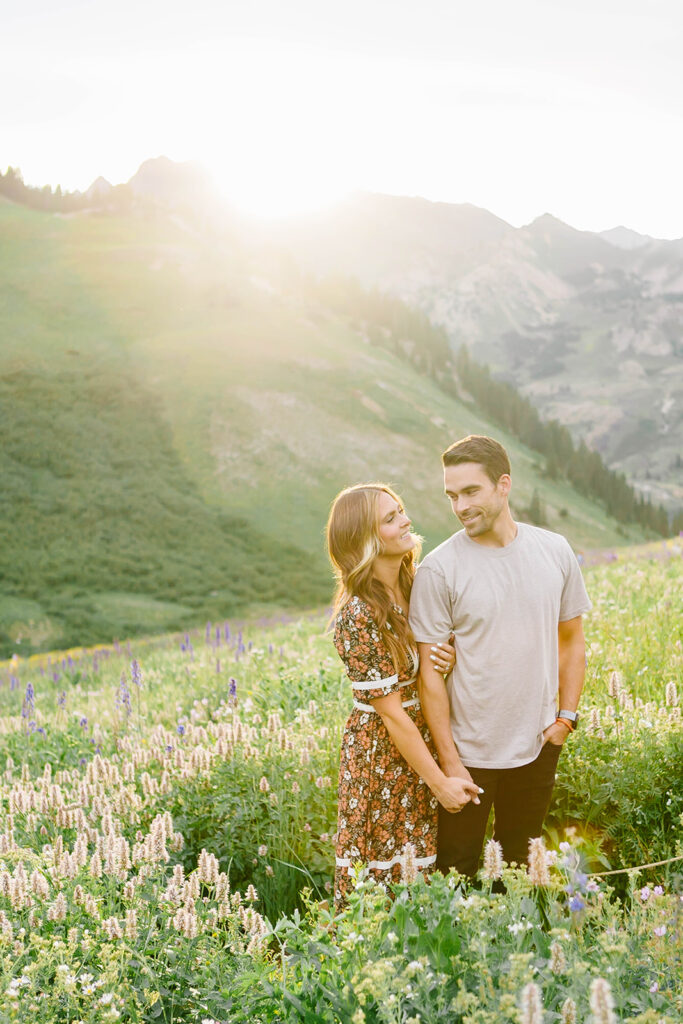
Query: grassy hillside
[(176, 421)]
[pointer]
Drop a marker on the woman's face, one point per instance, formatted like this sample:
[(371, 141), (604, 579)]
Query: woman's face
[(394, 526)]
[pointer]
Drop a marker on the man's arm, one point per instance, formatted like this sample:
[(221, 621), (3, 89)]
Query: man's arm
[(437, 711), (572, 669)]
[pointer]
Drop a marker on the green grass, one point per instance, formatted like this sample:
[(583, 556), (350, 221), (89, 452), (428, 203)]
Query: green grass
[(81, 772), (174, 429)]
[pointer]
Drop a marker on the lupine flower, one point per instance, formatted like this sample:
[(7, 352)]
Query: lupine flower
[(29, 705), (123, 696), (136, 673)]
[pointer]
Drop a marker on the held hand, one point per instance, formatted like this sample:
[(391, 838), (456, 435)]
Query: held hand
[(556, 734), (443, 657), (454, 792)]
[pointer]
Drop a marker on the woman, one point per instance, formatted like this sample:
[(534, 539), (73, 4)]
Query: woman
[(389, 780)]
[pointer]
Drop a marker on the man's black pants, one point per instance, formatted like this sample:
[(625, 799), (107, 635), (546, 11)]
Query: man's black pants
[(520, 798)]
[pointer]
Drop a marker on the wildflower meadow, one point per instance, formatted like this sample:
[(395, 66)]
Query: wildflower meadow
[(167, 819)]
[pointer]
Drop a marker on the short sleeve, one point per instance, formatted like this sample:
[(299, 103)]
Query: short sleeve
[(575, 600), (364, 653), (431, 615)]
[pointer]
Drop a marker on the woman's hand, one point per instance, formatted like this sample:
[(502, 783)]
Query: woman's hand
[(453, 792), (443, 656)]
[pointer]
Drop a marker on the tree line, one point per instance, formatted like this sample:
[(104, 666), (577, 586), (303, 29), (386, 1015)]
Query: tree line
[(388, 322)]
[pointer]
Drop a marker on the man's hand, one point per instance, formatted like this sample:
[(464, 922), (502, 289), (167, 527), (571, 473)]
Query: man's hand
[(556, 734), (453, 793)]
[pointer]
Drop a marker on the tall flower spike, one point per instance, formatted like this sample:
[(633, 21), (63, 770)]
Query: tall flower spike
[(568, 1012), (614, 684), (538, 863), (531, 1005), (601, 1002), (558, 961), (493, 860)]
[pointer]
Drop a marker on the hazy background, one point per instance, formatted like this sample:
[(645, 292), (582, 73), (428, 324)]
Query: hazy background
[(298, 246), (521, 108)]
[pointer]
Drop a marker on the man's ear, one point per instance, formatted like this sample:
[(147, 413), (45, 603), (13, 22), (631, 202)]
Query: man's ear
[(504, 484)]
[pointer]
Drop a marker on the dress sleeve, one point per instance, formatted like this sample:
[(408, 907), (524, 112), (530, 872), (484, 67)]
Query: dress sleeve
[(363, 652)]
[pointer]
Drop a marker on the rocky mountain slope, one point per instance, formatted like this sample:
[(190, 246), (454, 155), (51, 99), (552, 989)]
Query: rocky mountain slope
[(178, 412), (589, 326)]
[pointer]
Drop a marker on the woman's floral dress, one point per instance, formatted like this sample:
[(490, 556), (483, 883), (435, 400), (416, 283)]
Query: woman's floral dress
[(383, 803)]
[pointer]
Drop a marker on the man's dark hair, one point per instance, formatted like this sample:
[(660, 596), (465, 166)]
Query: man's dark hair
[(489, 454)]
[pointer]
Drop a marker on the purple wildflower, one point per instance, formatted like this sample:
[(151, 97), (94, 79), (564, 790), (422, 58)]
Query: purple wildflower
[(83, 722), (61, 700), (123, 696), (181, 729), (226, 632), (135, 673), (576, 904), (29, 705), (208, 632), (232, 692)]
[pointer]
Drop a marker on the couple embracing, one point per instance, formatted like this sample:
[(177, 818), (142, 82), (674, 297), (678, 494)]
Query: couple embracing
[(437, 737)]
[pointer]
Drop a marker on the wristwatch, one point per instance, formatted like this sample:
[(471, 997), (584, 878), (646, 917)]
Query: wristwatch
[(571, 717)]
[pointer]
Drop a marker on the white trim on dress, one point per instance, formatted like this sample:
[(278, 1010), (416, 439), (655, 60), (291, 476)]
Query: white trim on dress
[(373, 684), (384, 865), (369, 707)]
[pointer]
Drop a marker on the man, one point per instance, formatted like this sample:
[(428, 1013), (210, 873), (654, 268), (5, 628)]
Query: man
[(513, 596)]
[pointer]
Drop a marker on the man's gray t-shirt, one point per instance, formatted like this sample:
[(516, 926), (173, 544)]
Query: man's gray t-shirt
[(504, 605)]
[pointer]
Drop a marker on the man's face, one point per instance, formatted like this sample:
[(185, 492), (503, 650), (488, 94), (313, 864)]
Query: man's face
[(476, 501)]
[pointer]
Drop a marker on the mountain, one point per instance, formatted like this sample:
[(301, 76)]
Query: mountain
[(178, 412), (590, 330), (625, 238), (99, 190), (174, 184)]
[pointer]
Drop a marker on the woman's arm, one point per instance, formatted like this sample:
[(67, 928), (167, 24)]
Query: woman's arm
[(452, 793), (437, 711)]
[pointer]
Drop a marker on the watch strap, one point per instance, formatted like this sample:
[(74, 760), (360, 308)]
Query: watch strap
[(571, 716)]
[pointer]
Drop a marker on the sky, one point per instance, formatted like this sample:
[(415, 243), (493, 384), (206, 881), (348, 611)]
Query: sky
[(521, 107)]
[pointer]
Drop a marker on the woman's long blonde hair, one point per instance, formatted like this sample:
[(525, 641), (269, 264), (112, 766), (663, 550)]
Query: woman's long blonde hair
[(353, 544)]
